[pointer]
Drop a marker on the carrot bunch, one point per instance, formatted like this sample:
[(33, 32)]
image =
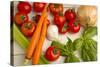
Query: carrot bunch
[(37, 53), (35, 46)]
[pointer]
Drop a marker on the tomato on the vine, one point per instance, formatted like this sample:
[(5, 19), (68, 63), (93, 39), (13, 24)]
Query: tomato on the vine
[(64, 28), (20, 18), (38, 7), (70, 15), (52, 53), (24, 7), (60, 21), (56, 8), (74, 27), (28, 28)]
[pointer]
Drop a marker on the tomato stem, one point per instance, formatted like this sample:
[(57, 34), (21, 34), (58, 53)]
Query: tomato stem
[(22, 17), (75, 23), (55, 50), (28, 26), (56, 5), (60, 14)]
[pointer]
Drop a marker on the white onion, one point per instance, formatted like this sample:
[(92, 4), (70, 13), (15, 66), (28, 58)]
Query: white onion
[(87, 15)]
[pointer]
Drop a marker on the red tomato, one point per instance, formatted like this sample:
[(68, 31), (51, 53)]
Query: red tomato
[(20, 18), (28, 28), (24, 7), (64, 29), (74, 27), (59, 20), (70, 15), (56, 8), (37, 17), (52, 53), (38, 7)]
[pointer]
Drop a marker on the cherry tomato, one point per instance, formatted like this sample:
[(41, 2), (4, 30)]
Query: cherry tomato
[(37, 17), (20, 18), (59, 20), (38, 7), (24, 7), (56, 8), (64, 29), (74, 27), (52, 53), (70, 15), (28, 28)]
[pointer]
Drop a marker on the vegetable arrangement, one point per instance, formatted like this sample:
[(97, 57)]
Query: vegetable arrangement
[(66, 51), (23, 42), (31, 34), (35, 36), (86, 46)]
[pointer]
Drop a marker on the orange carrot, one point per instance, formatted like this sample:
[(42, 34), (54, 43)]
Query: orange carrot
[(35, 37), (37, 53)]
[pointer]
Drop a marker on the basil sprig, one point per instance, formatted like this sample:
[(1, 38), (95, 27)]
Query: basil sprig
[(66, 51), (90, 32), (86, 45)]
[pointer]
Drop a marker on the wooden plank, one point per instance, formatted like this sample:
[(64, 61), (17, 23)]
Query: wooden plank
[(19, 60)]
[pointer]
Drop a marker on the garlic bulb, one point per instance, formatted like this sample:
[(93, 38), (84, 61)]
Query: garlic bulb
[(87, 15), (52, 32)]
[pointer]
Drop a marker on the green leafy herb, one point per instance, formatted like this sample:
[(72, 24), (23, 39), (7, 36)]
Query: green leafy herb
[(89, 50), (86, 45), (90, 32), (69, 45), (66, 50), (77, 44), (58, 45), (71, 58)]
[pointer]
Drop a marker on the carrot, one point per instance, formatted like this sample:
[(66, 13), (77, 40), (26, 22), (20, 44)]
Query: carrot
[(35, 37), (37, 53)]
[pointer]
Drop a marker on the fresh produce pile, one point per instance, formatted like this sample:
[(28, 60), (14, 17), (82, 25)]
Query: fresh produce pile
[(31, 33), (85, 45)]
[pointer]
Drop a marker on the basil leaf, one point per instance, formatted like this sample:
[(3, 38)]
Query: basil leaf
[(69, 46), (89, 50), (58, 45), (71, 58), (63, 53), (92, 50), (84, 55), (77, 44), (93, 45), (90, 32)]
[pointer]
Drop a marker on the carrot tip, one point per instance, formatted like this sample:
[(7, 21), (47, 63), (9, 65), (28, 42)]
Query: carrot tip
[(26, 61)]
